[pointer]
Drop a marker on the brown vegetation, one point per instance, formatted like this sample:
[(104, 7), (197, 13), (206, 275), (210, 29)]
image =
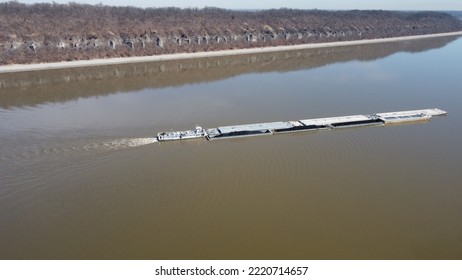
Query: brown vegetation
[(55, 32)]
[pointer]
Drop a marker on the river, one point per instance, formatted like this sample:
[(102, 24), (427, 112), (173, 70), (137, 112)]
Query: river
[(82, 176)]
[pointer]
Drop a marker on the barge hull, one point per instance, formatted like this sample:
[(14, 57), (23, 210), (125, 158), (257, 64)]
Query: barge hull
[(257, 129)]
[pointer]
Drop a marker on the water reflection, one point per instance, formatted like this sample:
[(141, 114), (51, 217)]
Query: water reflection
[(85, 179), (33, 88)]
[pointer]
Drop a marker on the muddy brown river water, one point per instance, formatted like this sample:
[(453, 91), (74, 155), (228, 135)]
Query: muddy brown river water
[(81, 176)]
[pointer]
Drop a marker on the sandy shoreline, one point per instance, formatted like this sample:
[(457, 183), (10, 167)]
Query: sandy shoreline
[(178, 56)]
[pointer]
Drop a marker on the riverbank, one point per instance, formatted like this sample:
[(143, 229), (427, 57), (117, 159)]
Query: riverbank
[(178, 56)]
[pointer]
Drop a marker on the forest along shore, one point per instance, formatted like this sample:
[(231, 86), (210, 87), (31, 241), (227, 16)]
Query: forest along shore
[(178, 56), (48, 33)]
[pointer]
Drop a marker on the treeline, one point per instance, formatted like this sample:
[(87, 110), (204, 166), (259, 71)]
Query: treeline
[(65, 32)]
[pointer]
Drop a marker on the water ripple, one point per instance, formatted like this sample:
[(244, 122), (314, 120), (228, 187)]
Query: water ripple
[(37, 151)]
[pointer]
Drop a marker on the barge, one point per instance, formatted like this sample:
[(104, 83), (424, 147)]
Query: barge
[(246, 130)]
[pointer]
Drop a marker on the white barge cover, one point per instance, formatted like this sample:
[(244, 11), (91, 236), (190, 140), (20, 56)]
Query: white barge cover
[(429, 112), (328, 121), (255, 127)]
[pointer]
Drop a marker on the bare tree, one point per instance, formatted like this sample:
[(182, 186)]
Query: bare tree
[(55, 32)]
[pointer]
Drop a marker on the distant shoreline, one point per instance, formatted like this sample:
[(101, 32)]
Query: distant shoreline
[(180, 56)]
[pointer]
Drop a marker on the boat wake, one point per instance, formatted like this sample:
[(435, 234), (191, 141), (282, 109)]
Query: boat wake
[(44, 150), (120, 144)]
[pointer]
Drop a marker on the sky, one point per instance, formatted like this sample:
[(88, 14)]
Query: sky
[(267, 4)]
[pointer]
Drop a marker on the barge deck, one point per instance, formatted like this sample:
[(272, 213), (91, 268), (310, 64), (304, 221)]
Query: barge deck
[(246, 130)]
